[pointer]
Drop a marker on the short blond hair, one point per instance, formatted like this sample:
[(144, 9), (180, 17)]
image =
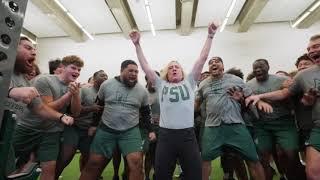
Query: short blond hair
[(315, 37), (72, 59), (164, 71)]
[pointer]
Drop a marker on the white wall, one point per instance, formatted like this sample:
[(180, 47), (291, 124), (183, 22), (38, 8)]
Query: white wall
[(277, 42)]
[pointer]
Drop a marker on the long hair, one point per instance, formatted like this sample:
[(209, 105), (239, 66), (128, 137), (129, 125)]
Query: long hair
[(164, 71)]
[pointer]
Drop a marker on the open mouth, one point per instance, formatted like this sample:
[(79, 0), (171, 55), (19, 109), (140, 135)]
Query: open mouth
[(214, 68), (74, 76), (259, 74), (30, 62), (315, 56), (132, 79)]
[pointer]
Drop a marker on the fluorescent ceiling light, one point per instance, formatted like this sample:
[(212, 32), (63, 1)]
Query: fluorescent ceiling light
[(149, 14), (231, 8), (88, 34), (153, 30), (315, 6), (78, 24), (148, 11), (225, 21), (60, 5), (300, 19), (63, 18), (306, 14)]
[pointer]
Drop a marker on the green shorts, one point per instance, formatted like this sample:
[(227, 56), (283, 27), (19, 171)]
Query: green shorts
[(45, 144), (77, 138), (314, 139), (281, 132), (106, 140), (235, 136)]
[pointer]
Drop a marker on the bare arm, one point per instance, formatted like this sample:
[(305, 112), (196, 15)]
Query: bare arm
[(57, 104), (23, 94), (46, 112), (273, 96), (151, 75), (197, 67)]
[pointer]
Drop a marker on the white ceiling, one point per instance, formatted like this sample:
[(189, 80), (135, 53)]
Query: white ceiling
[(93, 15), (40, 24), (163, 14), (209, 10), (96, 18), (282, 10)]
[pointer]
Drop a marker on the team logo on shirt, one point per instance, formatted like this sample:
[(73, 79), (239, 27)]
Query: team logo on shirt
[(176, 93), (215, 89)]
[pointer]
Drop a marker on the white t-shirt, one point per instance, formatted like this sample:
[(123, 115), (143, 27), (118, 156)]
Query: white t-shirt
[(176, 103)]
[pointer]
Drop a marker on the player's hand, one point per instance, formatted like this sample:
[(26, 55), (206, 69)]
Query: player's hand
[(74, 88), (265, 107), (212, 28), (135, 37), (24, 94), (67, 120), (236, 93), (252, 99), (152, 136)]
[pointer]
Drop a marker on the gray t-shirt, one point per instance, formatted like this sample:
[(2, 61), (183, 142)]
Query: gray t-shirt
[(176, 103), (47, 85), (18, 107), (220, 107), (273, 83), (121, 104), (88, 96), (303, 81)]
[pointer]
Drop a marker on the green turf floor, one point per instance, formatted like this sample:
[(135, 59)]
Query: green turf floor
[(72, 171)]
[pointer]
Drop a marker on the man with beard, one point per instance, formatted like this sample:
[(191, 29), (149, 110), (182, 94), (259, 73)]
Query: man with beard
[(224, 124), (277, 127), (35, 133), (80, 135), (123, 100), (308, 83), (20, 91)]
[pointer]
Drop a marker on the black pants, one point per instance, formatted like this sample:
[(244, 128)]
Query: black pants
[(177, 144)]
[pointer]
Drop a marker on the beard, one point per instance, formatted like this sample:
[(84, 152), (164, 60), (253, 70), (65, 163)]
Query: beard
[(129, 83), (21, 68)]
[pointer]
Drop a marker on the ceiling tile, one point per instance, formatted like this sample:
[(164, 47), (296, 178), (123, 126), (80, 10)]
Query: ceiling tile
[(209, 10), (284, 10), (93, 15), (40, 24), (163, 14)]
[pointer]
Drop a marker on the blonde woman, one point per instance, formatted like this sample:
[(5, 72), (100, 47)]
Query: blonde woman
[(176, 139)]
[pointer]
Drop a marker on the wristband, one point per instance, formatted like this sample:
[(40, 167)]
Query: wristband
[(60, 118), (9, 91)]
